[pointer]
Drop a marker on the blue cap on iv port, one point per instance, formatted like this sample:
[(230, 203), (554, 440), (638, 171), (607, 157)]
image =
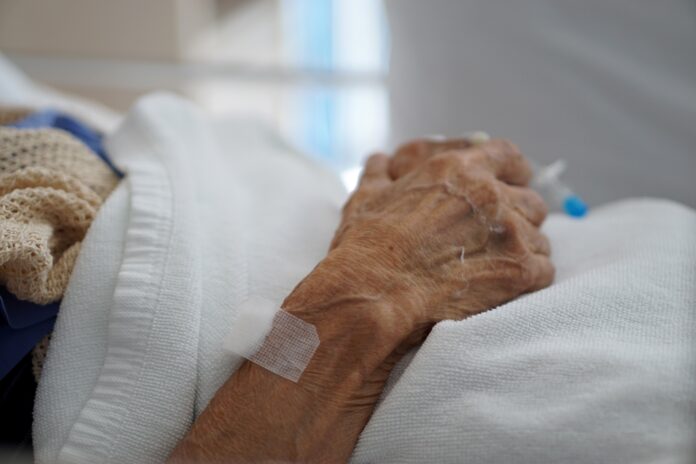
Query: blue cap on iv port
[(574, 206)]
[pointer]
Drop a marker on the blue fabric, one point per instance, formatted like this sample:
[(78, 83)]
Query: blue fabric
[(24, 324), (19, 314), (16, 343)]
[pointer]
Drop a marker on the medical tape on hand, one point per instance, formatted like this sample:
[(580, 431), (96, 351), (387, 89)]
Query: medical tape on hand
[(272, 338)]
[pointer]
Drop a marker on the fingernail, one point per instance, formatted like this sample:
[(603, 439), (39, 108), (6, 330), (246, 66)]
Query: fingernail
[(435, 137), (476, 137)]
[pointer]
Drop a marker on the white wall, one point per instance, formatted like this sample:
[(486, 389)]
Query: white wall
[(609, 85), (250, 57)]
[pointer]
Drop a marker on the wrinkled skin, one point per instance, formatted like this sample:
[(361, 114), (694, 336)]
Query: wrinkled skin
[(451, 229), (441, 230)]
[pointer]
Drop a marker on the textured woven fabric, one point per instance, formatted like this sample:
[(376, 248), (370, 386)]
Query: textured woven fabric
[(51, 187)]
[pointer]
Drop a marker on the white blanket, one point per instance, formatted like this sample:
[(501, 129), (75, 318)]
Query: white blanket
[(206, 216), (597, 368)]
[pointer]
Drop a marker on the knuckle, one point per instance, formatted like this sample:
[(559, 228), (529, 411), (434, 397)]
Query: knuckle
[(484, 192), (503, 151), (440, 165), (458, 161), (510, 228), (517, 238), (408, 157), (527, 202), (414, 148), (453, 156), (474, 156), (513, 238), (508, 147)]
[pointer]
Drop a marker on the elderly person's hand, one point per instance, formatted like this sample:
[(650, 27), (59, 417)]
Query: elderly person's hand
[(442, 230)]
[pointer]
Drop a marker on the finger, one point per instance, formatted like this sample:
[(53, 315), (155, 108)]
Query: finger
[(411, 155), (543, 272), (536, 241), (460, 143), (374, 178), (376, 172), (517, 237), (505, 161), (527, 202)]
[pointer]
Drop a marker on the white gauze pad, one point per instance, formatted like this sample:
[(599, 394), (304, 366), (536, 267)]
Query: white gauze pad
[(272, 338)]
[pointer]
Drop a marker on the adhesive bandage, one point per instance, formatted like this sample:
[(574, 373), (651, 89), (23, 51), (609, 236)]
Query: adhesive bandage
[(272, 338)]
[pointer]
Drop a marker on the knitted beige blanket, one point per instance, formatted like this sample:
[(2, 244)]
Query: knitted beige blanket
[(51, 187)]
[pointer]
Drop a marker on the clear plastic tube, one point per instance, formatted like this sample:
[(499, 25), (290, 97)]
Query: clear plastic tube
[(557, 195), (547, 181)]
